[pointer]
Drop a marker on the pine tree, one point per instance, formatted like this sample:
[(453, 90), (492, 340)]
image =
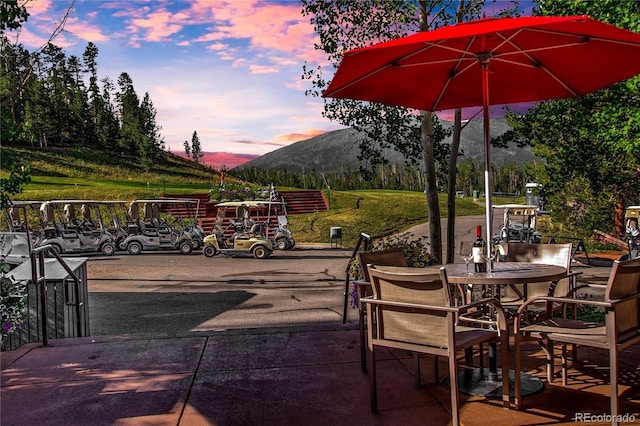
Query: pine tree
[(196, 148)]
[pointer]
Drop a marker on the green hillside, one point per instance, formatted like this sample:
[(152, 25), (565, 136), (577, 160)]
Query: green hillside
[(83, 173)]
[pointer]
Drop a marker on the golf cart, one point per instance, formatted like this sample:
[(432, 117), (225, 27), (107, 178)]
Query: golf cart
[(632, 230), (281, 235), (519, 223), (17, 237), (271, 215), (149, 230), (239, 235), (114, 214), (69, 227)]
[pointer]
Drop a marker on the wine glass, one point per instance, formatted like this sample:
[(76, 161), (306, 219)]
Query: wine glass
[(466, 252), (489, 257)]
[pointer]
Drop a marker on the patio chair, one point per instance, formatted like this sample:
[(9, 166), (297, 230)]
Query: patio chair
[(514, 295), (414, 311), (389, 257), (621, 328)]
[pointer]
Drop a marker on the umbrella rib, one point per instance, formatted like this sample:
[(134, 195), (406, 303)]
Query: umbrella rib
[(535, 63), (393, 63), (584, 38), (454, 71)]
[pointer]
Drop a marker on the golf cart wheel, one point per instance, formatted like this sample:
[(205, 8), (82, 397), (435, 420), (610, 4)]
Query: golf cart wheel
[(56, 248), (209, 250), (260, 252), (119, 245), (134, 247), (108, 249), (292, 243), (186, 247), (196, 244), (282, 243)]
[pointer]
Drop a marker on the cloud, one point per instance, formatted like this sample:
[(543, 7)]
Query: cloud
[(85, 30), (159, 25), (289, 138), (262, 69)]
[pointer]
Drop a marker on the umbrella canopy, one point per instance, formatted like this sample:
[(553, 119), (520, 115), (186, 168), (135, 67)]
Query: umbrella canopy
[(490, 62)]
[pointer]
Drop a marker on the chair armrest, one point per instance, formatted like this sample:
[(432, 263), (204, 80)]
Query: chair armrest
[(564, 300), (573, 291), (522, 310), (500, 321), (370, 300)]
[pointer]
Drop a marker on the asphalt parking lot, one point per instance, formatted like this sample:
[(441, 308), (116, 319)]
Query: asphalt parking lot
[(173, 293)]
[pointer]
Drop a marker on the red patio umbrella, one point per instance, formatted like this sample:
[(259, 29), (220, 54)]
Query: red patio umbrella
[(490, 62)]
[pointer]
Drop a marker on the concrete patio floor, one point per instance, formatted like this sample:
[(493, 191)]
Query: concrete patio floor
[(274, 376)]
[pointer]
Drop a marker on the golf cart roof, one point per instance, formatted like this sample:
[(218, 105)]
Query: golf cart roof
[(633, 211), (253, 203), (166, 200), (518, 209), (60, 202), (25, 203)]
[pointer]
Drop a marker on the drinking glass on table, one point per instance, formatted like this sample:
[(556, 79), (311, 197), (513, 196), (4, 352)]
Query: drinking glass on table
[(466, 252), (489, 257)]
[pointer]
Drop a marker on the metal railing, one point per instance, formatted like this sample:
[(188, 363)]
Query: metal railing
[(38, 278)]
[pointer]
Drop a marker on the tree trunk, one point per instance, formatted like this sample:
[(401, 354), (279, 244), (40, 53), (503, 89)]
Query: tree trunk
[(618, 217), (433, 207)]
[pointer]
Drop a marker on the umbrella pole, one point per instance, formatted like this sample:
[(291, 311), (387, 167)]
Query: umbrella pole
[(487, 154)]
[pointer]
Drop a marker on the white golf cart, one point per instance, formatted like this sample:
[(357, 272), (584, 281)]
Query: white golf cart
[(75, 226), (519, 224), (148, 229), (17, 234)]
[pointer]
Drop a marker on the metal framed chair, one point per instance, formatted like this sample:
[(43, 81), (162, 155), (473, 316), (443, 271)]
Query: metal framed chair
[(621, 328), (414, 311), (389, 257), (515, 295)]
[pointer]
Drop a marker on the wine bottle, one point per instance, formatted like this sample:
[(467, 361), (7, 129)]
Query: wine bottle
[(478, 248)]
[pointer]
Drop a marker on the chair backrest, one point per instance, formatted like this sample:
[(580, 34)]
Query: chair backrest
[(549, 254), (423, 287), (624, 281), (389, 257)]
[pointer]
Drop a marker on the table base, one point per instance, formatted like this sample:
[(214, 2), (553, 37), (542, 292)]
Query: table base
[(477, 381)]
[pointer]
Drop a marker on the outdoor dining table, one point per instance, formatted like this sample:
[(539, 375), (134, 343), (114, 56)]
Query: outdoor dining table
[(488, 382)]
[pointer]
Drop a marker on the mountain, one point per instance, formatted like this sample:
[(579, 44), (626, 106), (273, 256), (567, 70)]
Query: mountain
[(332, 150)]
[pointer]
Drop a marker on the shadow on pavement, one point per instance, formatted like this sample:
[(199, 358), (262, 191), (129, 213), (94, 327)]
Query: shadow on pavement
[(165, 312)]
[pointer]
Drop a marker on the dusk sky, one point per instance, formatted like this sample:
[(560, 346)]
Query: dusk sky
[(230, 70)]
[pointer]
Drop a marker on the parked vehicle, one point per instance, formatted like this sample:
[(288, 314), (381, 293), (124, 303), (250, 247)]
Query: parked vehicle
[(247, 213), (114, 214), (20, 231), (280, 236), (632, 230), (519, 224), (149, 230), (248, 236), (75, 226)]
